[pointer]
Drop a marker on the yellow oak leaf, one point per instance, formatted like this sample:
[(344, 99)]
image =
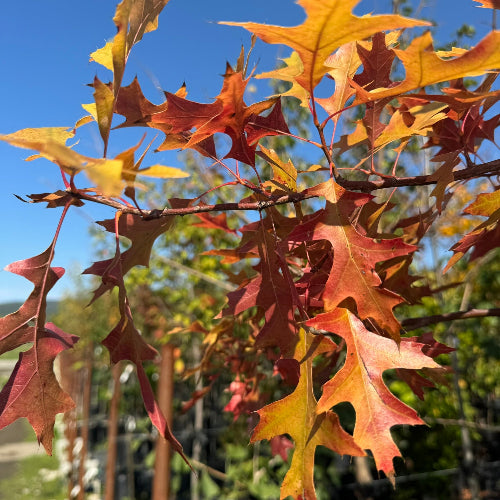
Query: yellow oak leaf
[(425, 116), (105, 174), (162, 172), (284, 174), (104, 56), (289, 73), (485, 204)]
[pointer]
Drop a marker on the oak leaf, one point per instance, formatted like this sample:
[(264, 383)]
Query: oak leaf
[(228, 114), (297, 416), (343, 63), (292, 69), (189, 124), (423, 67), (21, 326), (32, 390), (431, 348), (353, 271), (360, 383), (329, 25), (484, 237), (284, 174), (269, 291), (133, 18), (105, 174), (124, 342), (489, 4), (142, 234)]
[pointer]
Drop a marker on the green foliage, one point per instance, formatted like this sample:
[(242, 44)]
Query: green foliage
[(36, 477)]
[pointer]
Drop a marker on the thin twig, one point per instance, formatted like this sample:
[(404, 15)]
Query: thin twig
[(414, 323), (483, 170)]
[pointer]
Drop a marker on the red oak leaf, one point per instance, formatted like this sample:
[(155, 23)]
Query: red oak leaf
[(132, 104), (354, 257), (32, 390), (189, 124), (214, 222), (270, 292), (142, 233), (124, 342), (17, 329), (280, 446), (238, 390), (360, 383), (431, 348)]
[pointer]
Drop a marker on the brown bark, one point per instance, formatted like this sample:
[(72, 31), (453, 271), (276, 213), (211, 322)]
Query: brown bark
[(161, 481), (113, 434), (488, 169), (68, 383), (84, 429)]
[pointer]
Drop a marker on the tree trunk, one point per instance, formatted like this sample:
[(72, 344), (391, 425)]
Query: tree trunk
[(113, 434), (198, 425), (364, 478), (84, 430), (161, 481), (68, 382)]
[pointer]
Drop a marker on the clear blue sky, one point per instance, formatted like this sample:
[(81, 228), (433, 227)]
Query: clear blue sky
[(44, 52)]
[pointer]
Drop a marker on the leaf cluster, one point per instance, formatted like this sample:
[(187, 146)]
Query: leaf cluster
[(317, 268)]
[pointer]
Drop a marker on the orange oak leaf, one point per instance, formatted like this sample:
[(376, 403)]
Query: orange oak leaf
[(489, 4), (296, 416), (214, 222), (32, 390), (138, 110), (189, 124), (485, 204), (344, 64), (377, 66), (354, 256), (228, 114), (423, 67), (360, 383), (329, 25), (486, 236)]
